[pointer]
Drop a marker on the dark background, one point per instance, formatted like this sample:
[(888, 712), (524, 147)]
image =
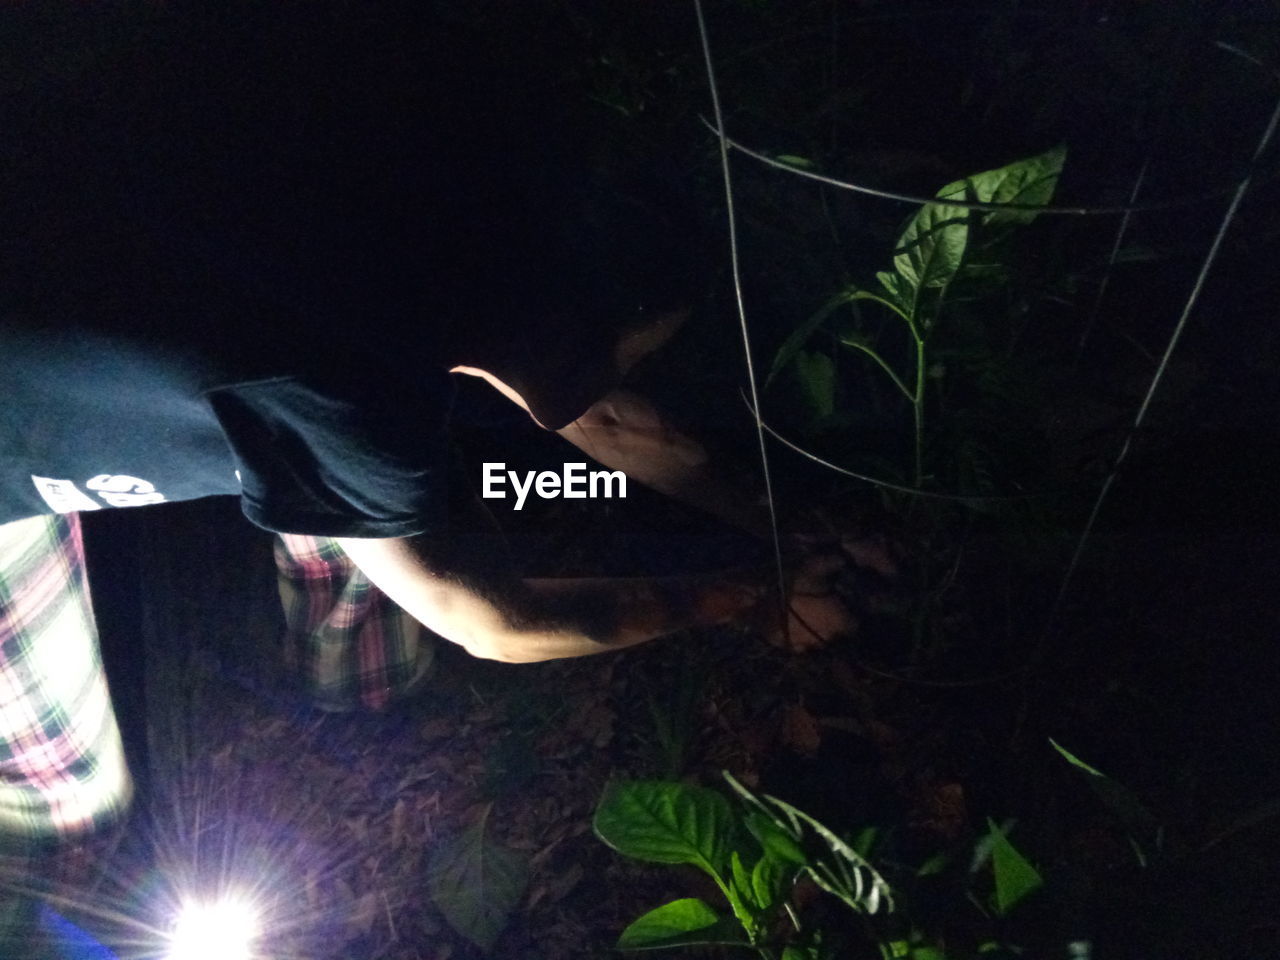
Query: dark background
[(334, 127)]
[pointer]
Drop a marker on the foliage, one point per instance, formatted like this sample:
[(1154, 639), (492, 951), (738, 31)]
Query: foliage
[(674, 716), (946, 251), (760, 853), (754, 853), (476, 883), (1016, 879), (1144, 832)]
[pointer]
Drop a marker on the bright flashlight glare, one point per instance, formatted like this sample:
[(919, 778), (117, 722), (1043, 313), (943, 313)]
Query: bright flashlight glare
[(224, 930)]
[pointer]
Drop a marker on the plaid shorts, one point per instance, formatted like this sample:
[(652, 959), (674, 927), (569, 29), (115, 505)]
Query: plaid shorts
[(351, 645), (62, 767)]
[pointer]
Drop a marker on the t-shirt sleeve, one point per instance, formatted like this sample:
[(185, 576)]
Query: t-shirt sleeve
[(340, 457)]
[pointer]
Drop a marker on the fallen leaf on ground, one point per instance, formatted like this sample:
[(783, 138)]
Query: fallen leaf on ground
[(800, 730)]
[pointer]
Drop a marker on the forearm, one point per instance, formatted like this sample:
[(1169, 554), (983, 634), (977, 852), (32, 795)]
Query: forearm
[(595, 615), (513, 620)]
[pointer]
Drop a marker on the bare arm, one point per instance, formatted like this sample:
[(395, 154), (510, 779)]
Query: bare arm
[(501, 617)]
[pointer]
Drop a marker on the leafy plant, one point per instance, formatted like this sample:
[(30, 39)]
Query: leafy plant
[(943, 249), (762, 852), (755, 853)]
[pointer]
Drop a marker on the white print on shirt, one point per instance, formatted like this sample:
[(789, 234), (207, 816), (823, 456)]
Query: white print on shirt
[(123, 490), (63, 496)]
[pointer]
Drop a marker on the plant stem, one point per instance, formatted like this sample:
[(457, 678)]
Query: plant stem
[(870, 352), (917, 409)]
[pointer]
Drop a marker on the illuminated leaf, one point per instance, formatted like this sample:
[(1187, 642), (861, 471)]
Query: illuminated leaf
[(667, 823), (680, 923), (1029, 181), (792, 160), (768, 878), (846, 874), (740, 878), (1015, 877), (776, 842), (897, 291), (1075, 761), (931, 249)]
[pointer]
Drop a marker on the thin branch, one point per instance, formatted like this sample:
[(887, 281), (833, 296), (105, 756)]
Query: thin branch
[(890, 485), (735, 261), (1192, 299), (1111, 261), (897, 381), (1172, 203)]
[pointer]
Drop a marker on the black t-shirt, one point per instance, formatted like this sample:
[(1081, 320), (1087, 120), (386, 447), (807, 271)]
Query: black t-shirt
[(230, 250), (202, 292), (348, 445)]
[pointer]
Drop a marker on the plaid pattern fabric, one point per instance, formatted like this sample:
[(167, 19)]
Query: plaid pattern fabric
[(352, 646), (62, 766)]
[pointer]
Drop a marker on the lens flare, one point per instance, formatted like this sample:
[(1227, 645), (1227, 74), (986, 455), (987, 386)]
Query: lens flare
[(223, 930)]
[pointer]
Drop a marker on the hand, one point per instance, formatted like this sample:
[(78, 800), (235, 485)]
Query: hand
[(816, 615), (822, 556)]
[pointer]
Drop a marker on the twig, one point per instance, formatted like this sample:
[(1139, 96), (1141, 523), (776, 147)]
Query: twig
[(1172, 203), (735, 261), (1192, 299)]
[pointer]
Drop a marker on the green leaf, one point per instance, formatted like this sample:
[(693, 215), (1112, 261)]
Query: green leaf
[(896, 290), (848, 876), (934, 865), (816, 374), (741, 879), (760, 814), (793, 161), (799, 952), (801, 334), (773, 839), (666, 822), (865, 840), (927, 953), (1075, 761), (768, 878), (476, 884), (1016, 878), (681, 923), (1124, 805), (1029, 181), (931, 249)]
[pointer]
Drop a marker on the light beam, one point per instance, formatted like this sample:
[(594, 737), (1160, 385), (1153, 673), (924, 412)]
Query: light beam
[(224, 929)]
